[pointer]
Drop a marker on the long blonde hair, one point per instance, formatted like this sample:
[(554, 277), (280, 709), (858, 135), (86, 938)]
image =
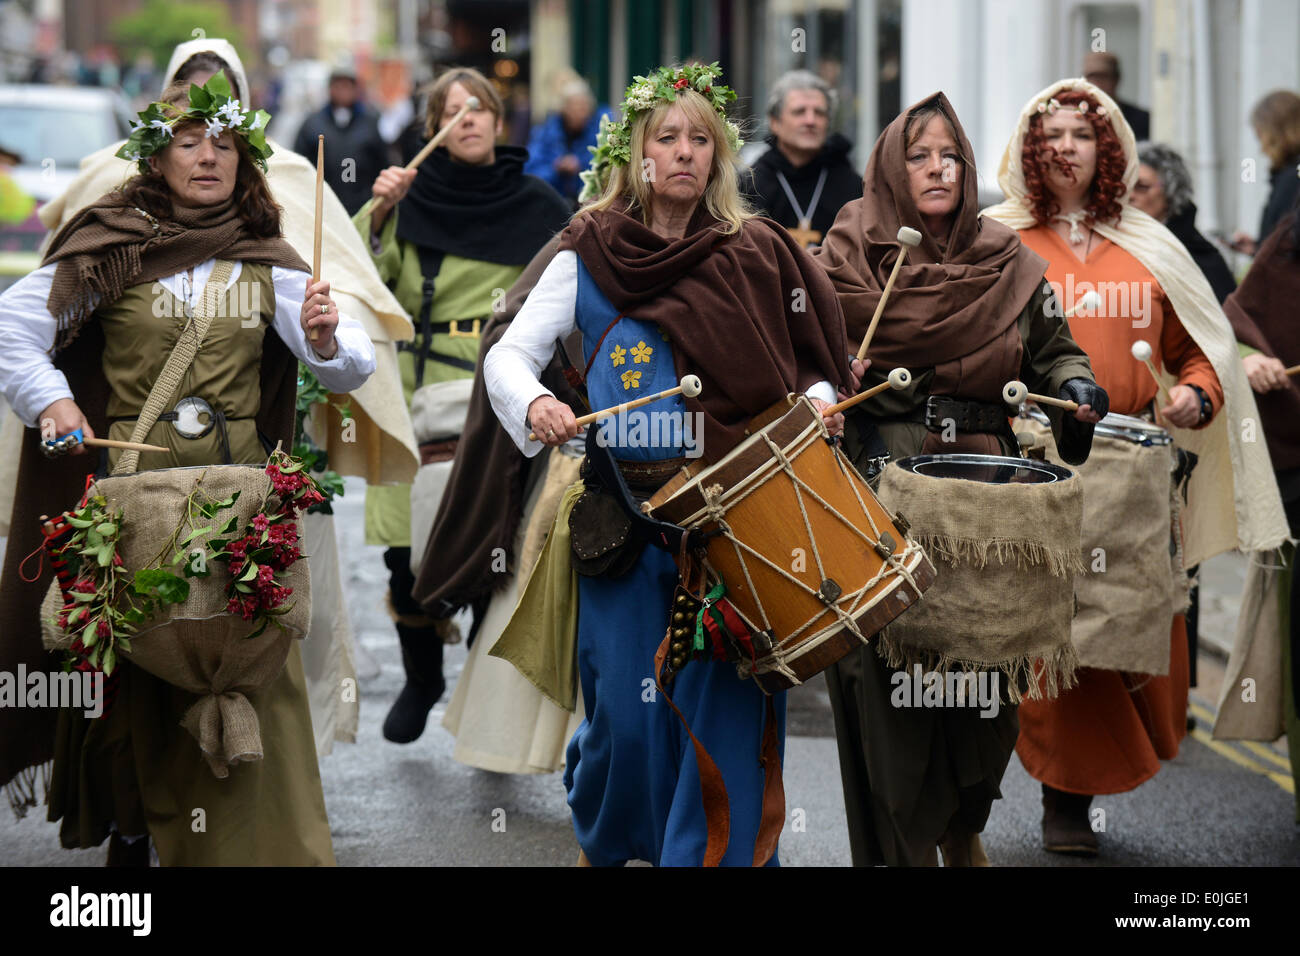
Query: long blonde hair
[(721, 196)]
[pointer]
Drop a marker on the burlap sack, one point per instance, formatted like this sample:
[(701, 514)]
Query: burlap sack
[(196, 645), (1131, 586), (1005, 557)]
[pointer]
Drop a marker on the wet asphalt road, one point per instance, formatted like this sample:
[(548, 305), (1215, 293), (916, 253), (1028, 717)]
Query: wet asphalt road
[(414, 805)]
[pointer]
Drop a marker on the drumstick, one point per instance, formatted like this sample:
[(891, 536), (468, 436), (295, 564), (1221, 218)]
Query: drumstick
[(1015, 393), (80, 439), (907, 239), (898, 378), (470, 104), (1089, 300), (320, 204), (1142, 352), (126, 445), (1292, 370), (689, 386)]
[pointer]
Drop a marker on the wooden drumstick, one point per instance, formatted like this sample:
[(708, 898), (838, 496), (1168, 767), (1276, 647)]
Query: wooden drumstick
[(125, 445), (1015, 393), (907, 239), (1142, 352), (690, 386), (470, 104), (320, 205), (898, 378), (1089, 300)]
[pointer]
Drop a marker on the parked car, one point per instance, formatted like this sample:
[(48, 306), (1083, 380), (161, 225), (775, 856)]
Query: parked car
[(52, 128)]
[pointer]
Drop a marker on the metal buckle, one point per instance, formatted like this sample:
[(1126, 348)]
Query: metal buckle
[(453, 329), (188, 411)]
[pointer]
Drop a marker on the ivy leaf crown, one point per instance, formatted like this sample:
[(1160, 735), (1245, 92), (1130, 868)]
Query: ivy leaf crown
[(614, 139), (211, 104)]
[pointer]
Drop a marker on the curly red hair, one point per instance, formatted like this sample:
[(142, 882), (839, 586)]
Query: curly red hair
[(1107, 183)]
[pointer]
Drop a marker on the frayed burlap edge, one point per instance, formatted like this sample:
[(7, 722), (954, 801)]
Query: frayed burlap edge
[(1055, 674), (29, 788), (1061, 562)]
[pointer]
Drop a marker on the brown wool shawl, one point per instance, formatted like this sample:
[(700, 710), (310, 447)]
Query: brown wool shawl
[(1262, 313), (750, 314), (954, 295), (112, 245)]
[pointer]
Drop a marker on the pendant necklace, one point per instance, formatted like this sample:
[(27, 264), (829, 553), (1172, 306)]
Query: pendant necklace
[(804, 234)]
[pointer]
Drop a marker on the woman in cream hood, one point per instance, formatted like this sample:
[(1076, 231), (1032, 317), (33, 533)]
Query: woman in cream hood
[(383, 449)]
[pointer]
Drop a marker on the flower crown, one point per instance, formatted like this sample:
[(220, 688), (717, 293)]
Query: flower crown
[(614, 140), (210, 103), (1051, 106)]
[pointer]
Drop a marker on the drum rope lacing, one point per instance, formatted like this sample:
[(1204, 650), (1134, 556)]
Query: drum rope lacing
[(894, 564)]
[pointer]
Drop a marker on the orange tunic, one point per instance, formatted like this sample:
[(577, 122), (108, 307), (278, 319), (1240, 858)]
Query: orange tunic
[(1110, 732)]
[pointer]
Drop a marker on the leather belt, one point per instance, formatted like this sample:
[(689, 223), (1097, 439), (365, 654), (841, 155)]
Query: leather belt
[(643, 475), (965, 415)]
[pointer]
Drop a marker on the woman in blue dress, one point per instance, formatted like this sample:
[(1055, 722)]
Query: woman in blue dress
[(667, 273)]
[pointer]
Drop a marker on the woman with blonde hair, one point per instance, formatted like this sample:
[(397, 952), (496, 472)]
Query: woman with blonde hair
[(665, 273), (1276, 122)]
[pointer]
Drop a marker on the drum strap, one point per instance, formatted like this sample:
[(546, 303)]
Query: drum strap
[(713, 790)]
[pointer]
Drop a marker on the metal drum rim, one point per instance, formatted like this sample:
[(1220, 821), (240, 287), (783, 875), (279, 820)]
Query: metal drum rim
[(1057, 472), (1117, 425)]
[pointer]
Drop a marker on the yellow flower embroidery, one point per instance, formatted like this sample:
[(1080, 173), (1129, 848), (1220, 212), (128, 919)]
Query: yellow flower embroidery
[(641, 353), (617, 356), (631, 380)]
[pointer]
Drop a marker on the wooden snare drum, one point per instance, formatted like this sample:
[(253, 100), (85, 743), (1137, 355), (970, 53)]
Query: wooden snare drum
[(810, 559)]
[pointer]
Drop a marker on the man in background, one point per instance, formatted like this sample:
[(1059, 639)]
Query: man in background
[(1102, 71), (355, 152), (805, 177)]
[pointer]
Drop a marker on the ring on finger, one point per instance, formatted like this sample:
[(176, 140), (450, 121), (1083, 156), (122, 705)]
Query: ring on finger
[(325, 307)]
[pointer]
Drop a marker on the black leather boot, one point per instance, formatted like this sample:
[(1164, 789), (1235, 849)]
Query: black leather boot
[(121, 853), (422, 658)]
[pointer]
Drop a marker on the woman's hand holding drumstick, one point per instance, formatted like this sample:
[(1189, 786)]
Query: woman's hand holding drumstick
[(1182, 406), (394, 181), (320, 314), (1015, 393), (907, 239), (553, 423)]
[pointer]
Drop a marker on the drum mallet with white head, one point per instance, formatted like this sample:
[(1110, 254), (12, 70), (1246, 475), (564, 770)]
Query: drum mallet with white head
[(1142, 352), (470, 104), (690, 386), (898, 378), (1087, 302), (1015, 393), (907, 239)]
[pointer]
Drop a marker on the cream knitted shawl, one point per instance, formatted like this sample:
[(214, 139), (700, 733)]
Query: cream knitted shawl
[(1233, 500)]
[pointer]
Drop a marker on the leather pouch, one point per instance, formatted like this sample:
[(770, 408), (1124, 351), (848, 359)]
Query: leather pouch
[(604, 541)]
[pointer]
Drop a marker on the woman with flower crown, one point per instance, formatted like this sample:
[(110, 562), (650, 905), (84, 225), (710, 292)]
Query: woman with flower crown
[(666, 273), (1068, 175), (81, 341)]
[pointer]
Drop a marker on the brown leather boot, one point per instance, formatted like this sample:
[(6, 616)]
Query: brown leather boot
[(1066, 828)]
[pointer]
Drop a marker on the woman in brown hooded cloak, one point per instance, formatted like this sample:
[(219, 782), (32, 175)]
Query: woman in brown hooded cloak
[(968, 313)]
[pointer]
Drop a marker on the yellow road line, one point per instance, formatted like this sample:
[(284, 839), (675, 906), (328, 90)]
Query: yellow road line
[(1253, 746), (1282, 780)]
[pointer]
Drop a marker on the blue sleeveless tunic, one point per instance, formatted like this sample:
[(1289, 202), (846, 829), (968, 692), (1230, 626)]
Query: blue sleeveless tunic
[(631, 776)]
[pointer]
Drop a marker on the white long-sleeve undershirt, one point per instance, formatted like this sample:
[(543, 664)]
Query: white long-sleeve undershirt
[(30, 382)]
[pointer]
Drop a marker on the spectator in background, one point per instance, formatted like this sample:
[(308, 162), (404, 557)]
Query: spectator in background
[(351, 130), (557, 148), (1276, 119), (1164, 192), (805, 177), (15, 205), (1102, 71)]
